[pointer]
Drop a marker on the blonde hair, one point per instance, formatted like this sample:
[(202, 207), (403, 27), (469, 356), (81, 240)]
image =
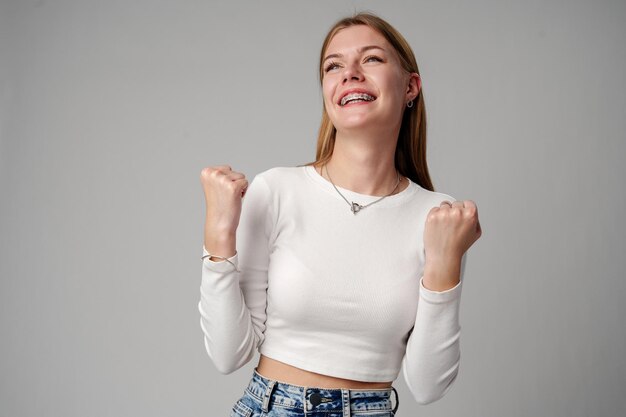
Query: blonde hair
[(410, 155)]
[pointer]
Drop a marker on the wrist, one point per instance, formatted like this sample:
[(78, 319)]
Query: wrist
[(441, 275), (219, 244)]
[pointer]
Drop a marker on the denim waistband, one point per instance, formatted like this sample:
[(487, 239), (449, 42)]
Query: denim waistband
[(272, 393)]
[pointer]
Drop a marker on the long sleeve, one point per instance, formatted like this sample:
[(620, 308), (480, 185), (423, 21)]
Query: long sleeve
[(233, 305), (433, 351)]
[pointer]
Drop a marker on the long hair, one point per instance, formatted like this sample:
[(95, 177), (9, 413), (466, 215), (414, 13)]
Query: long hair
[(410, 155)]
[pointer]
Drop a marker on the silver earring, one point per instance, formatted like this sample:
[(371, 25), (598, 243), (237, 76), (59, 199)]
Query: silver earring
[(409, 104)]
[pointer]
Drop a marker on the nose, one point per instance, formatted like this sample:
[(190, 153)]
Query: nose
[(352, 72)]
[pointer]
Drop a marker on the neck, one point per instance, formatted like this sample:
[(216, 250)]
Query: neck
[(364, 164)]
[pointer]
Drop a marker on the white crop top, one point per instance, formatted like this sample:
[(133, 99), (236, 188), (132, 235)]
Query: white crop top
[(332, 292)]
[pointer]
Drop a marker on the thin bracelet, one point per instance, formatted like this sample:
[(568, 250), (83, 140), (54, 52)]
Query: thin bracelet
[(221, 257)]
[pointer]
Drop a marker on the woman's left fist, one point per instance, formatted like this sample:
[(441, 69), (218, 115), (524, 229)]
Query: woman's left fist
[(450, 230)]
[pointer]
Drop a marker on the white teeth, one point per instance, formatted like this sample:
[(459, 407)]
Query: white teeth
[(356, 96)]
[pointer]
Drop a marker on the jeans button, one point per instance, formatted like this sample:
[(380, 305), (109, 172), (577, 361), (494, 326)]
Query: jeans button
[(315, 399)]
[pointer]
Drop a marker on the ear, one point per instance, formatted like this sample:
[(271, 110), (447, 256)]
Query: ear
[(414, 86)]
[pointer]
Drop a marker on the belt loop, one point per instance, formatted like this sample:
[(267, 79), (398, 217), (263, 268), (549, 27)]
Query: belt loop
[(397, 401), (305, 406), (267, 396), (345, 396)]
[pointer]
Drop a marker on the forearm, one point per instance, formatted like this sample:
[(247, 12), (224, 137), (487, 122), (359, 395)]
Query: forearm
[(225, 320), (433, 350)]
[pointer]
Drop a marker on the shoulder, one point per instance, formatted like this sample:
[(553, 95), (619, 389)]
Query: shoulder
[(271, 186), (282, 175), (433, 198), (267, 186)]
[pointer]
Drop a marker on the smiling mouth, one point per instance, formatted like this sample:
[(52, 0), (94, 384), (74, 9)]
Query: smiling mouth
[(356, 98)]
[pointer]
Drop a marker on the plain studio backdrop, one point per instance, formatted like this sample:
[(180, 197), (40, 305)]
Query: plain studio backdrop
[(109, 110)]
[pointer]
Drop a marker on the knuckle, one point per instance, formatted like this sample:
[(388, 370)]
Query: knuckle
[(215, 173), (436, 216), (205, 174), (470, 213)]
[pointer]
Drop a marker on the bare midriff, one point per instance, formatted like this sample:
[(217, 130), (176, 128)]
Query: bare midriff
[(282, 372)]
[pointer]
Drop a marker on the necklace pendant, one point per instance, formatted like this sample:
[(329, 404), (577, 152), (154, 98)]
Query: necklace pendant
[(356, 207)]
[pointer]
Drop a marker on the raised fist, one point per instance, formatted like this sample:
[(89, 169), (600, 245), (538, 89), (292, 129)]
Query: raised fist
[(223, 191), (450, 230)]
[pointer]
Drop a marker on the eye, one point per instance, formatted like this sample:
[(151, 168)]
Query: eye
[(373, 57), (330, 66)]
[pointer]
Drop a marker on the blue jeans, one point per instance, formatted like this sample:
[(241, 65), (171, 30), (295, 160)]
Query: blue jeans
[(265, 397)]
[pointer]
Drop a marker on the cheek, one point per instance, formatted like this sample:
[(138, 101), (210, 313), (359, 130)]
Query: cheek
[(327, 92), (394, 80), (402, 84), (396, 90)]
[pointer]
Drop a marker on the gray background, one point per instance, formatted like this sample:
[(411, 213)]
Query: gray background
[(109, 110)]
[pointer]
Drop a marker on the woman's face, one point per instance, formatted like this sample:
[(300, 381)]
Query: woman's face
[(362, 67)]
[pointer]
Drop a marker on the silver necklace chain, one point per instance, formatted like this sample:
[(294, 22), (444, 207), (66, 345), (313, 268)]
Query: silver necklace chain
[(356, 207)]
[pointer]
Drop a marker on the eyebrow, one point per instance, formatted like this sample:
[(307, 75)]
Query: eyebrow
[(360, 50)]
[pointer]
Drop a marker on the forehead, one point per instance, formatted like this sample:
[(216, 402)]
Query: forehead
[(351, 38)]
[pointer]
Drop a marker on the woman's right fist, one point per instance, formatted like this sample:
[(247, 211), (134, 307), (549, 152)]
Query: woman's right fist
[(223, 192)]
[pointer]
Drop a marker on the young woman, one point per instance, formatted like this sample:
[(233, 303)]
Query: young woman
[(347, 269)]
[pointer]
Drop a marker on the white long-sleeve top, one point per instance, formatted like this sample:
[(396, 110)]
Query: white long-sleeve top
[(332, 292)]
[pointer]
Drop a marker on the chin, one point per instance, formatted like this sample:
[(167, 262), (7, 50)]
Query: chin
[(357, 123)]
